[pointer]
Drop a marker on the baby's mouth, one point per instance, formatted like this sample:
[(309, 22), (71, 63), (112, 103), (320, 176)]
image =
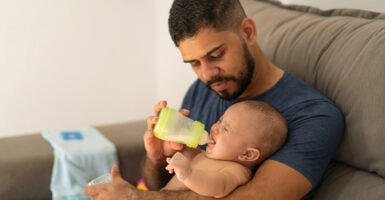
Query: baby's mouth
[(211, 141)]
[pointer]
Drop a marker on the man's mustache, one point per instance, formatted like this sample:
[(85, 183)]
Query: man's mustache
[(219, 79)]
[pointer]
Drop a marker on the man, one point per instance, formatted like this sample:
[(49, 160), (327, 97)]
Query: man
[(219, 42)]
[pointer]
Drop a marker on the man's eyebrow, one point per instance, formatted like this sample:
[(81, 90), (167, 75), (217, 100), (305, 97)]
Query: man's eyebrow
[(207, 54)]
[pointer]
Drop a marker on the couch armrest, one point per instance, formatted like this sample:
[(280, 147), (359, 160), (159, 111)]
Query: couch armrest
[(26, 161)]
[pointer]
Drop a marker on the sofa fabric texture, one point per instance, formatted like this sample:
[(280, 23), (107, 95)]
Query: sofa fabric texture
[(341, 53)]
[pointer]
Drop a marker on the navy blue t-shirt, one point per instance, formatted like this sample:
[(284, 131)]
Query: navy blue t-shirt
[(316, 125)]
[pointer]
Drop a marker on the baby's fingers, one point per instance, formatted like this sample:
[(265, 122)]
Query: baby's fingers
[(170, 169)]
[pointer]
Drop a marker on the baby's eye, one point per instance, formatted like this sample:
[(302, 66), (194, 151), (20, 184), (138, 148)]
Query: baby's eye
[(224, 129)]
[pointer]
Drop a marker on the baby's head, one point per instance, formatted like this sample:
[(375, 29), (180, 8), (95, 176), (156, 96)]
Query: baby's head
[(248, 133)]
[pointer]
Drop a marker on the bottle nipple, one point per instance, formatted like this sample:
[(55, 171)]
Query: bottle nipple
[(205, 139)]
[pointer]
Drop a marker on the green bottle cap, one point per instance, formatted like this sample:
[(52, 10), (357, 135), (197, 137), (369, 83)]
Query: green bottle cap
[(196, 134)]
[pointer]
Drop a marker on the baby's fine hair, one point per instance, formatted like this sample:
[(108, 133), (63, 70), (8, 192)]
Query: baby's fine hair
[(276, 128)]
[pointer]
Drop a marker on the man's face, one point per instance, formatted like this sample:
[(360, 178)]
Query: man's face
[(221, 60)]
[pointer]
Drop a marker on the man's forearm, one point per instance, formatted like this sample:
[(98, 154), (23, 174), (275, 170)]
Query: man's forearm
[(171, 195), (245, 193), (273, 180), (154, 174)]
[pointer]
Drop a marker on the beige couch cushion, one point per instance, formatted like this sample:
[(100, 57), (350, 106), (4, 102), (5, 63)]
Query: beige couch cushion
[(342, 54)]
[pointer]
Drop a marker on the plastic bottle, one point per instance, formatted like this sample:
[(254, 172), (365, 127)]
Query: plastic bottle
[(174, 126), (105, 178)]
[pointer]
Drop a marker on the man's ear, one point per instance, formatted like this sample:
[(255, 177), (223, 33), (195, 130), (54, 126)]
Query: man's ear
[(250, 154), (248, 30)]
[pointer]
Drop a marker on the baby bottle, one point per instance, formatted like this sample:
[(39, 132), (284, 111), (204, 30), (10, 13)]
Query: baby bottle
[(174, 126)]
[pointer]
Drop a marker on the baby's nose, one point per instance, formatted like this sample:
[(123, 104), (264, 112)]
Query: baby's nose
[(214, 129)]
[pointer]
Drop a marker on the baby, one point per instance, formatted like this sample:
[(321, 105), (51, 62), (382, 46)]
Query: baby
[(246, 134)]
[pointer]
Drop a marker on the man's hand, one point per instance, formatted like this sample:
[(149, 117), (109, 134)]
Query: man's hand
[(157, 149), (180, 165), (117, 189)]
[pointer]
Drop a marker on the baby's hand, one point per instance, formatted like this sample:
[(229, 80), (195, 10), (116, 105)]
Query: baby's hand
[(180, 165)]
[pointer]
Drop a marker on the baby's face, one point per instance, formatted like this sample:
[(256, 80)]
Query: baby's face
[(231, 134)]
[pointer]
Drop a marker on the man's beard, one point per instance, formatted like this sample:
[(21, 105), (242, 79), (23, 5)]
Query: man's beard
[(245, 76)]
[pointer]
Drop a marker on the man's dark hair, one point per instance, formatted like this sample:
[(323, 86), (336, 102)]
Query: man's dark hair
[(187, 17)]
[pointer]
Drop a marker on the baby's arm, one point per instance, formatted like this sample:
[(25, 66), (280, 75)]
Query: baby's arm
[(188, 154), (209, 183), (218, 183), (179, 164)]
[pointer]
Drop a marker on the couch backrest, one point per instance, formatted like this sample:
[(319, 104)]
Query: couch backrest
[(342, 54)]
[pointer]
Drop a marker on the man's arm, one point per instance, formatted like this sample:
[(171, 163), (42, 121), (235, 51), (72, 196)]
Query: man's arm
[(273, 180), (153, 167), (154, 174)]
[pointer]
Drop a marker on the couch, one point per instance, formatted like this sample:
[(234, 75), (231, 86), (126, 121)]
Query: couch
[(340, 52), (26, 161)]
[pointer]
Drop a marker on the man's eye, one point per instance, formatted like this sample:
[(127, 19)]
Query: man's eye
[(217, 56), (194, 64)]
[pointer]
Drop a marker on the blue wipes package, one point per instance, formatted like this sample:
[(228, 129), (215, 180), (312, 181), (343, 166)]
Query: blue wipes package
[(80, 155)]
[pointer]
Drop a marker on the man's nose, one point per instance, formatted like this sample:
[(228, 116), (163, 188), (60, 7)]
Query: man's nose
[(209, 71)]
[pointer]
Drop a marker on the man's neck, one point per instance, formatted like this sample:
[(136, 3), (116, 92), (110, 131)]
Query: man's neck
[(266, 75)]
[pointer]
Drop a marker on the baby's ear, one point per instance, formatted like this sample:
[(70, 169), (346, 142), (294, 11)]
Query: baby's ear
[(250, 154)]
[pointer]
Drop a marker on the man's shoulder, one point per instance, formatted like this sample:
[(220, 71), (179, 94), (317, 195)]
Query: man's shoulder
[(292, 94)]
